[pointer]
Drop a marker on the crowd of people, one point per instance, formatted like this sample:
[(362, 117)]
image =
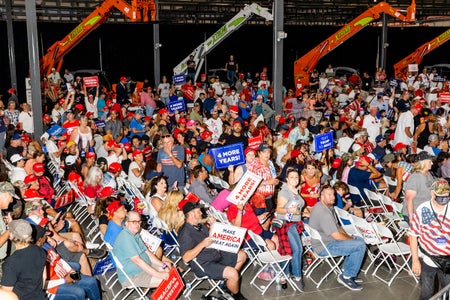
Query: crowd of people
[(396, 128)]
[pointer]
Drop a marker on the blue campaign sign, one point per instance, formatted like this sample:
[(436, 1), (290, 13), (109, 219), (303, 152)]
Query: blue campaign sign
[(179, 79), (231, 155), (100, 123), (176, 105), (103, 265), (323, 141), (56, 130)]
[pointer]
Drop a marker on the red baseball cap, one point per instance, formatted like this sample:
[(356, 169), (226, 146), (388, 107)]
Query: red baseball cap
[(399, 146), (112, 144), (248, 150), (12, 90), (163, 111), (79, 106), (46, 118), (115, 167), (123, 78), (89, 114), (61, 101), (106, 192), (205, 134), (38, 167), (90, 155), (135, 153), (29, 178), (113, 207), (31, 194), (127, 147), (182, 120), (336, 163), (234, 109)]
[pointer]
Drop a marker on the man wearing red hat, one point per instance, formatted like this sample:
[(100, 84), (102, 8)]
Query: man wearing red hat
[(237, 135)]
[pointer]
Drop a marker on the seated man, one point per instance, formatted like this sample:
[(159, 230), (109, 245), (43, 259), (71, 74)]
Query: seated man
[(194, 240), (141, 265), (324, 220)]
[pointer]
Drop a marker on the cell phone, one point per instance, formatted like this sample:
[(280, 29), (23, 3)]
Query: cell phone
[(75, 276)]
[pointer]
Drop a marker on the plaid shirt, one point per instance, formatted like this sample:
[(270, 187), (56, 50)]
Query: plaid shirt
[(285, 246)]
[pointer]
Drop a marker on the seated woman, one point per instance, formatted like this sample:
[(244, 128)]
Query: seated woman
[(169, 212), (289, 209), (92, 186), (310, 186), (155, 192)]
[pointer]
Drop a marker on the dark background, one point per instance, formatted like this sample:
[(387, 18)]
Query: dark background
[(128, 49)]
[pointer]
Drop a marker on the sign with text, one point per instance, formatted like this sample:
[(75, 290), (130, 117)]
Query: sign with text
[(152, 242), (254, 142), (176, 106), (413, 68), (169, 289), (245, 188), (179, 79), (231, 155), (64, 200), (91, 81), (226, 237), (444, 97), (56, 130), (323, 141), (103, 266)]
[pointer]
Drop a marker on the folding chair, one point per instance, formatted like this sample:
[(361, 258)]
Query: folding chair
[(345, 215), (393, 183), (268, 257), (132, 288), (332, 261), (395, 218), (215, 284), (376, 210), (389, 249), (355, 191)]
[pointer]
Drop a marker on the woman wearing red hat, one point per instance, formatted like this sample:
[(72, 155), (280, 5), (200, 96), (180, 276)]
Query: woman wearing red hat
[(136, 169)]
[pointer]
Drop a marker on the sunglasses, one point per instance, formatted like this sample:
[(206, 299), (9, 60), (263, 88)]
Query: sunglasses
[(166, 136)]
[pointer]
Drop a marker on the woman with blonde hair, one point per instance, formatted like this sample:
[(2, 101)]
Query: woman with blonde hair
[(169, 212)]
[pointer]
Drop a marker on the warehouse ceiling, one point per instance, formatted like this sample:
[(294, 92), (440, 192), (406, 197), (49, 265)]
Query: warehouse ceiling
[(297, 12)]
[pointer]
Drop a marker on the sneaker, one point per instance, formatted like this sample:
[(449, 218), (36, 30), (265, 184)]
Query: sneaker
[(299, 283), (97, 253), (90, 245), (349, 283)]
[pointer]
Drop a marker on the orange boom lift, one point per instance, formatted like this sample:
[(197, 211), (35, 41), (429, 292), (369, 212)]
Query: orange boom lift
[(137, 11), (306, 64), (418, 54)]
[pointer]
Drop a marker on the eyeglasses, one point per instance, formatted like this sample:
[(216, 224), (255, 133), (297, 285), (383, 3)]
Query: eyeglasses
[(166, 136), (135, 221)]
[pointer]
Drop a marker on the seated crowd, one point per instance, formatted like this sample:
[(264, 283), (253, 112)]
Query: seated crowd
[(105, 146)]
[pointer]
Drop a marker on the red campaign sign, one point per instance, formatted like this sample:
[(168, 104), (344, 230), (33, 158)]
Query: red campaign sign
[(169, 289), (254, 142), (64, 200), (90, 81), (444, 97)]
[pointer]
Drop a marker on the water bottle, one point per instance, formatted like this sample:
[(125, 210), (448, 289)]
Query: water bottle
[(278, 288), (188, 285), (283, 284)]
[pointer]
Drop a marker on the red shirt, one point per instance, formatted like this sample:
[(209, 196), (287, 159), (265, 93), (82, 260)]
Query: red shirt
[(249, 220)]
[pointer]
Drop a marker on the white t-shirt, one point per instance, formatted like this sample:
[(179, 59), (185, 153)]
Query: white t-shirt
[(405, 120), (26, 118), (372, 125), (137, 181)]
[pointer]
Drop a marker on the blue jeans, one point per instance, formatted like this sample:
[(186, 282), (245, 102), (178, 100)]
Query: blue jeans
[(86, 286), (297, 250), (149, 111), (353, 250), (230, 77)]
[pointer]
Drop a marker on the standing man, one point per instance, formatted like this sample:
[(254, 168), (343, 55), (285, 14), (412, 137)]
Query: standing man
[(191, 65), (194, 242), (121, 91), (22, 271), (427, 238), (337, 241), (232, 68), (404, 132), (171, 161)]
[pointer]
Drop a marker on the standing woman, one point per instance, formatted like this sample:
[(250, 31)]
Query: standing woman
[(289, 209), (310, 186), (82, 136), (12, 113)]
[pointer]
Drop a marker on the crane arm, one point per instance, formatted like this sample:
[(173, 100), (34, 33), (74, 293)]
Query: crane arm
[(418, 54), (306, 64), (235, 23), (138, 10)]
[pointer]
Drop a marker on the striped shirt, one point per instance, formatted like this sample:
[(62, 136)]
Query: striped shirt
[(433, 234)]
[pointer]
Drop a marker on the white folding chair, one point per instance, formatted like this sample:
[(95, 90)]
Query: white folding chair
[(271, 258), (215, 284), (130, 289), (395, 218), (376, 210), (389, 249), (343, 216), (332, 261), (355, 191)]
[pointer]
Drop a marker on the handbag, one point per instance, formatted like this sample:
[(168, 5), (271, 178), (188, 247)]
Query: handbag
[(441, 261)]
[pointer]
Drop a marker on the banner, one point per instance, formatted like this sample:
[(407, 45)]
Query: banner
[(254, 142), (413, 68), (231, 155), (152, 242), (100, 123), (56, 130), (323, 141), (226, 237), (444, 97), (169, 289), (176, 105), (91, 81), (245, 188), (104, 265), (64, 200), (179, 79)]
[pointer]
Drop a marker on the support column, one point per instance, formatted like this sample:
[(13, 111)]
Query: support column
[(156, 49), (11, 47), (278, 36)]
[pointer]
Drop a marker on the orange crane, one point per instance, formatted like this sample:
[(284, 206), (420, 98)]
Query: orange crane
[(306, 64), (418, 54), (137, 11)]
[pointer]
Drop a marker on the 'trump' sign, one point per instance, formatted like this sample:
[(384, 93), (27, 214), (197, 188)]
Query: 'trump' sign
[(245, 188), (231, 155), (226, 237), (323, 141), (169, 289)]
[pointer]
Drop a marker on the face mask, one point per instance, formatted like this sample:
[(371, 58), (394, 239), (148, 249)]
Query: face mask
[(233, 93), (442, 200)]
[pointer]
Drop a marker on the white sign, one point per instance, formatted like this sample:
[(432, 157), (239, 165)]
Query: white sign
[(259, 118), (245, 188), (226, 237), (152, 242), (28, 94), (413, 68)]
